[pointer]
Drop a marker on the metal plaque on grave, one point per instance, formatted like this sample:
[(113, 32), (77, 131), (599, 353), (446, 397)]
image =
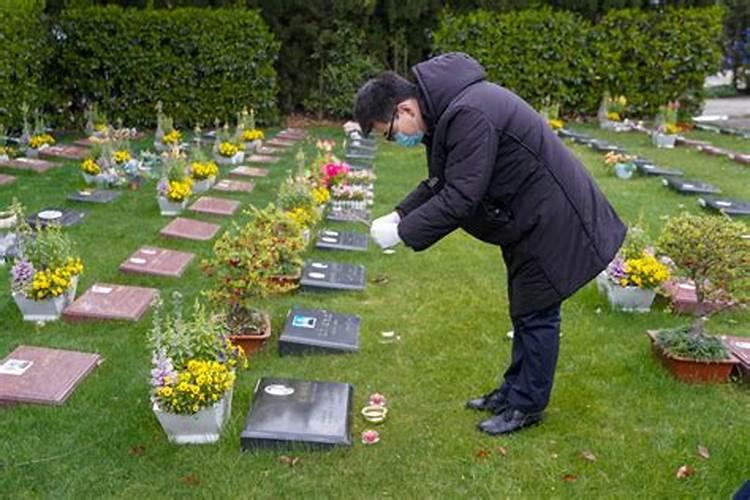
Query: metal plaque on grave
[(6, 179), (349, 215), (62, 216), (107, 301), (329, 239), (323, 275), (64, 152), (43, 376), (190, 229), (687, 186), (310, 331), (684, 141), (95, 195), (299, 133), (157, 262), (583, 139), (356, 146), (34, 164), (215, 206), (651, 169), (86, 142), (262, 159), (288, 413), (725, 205)]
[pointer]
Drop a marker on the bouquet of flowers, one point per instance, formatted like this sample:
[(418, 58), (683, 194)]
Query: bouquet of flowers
[(334, 174), (203, 170), (666, 120), (345, 192), (643, 271), (175, 185), (90, 167), (37, 141), (360, 178), (228, 149), (297, 199), (246, 129)]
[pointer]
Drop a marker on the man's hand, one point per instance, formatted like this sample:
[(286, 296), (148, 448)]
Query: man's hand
[(385, 233)]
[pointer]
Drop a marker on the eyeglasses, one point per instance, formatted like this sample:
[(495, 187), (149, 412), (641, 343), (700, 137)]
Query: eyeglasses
[(389, 135)]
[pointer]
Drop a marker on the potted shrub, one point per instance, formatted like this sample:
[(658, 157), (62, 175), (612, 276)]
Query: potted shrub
[(174, 188), (710, 252), (620, 164), (193, 373), (37, 142), (203, 172), (665, 133)]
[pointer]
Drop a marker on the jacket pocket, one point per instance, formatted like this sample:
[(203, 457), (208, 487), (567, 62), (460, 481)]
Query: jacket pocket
[(493, 223)]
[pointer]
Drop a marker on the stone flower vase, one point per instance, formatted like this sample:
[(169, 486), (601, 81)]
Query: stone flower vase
[(171, 208), (40, 310), (665, 141), (199, 428), (630, 298), (203, 185)]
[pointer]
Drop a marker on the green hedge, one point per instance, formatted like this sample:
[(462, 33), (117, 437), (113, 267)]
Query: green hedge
[(201, 63), (648, 56)]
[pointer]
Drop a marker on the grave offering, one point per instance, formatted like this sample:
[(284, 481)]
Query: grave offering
[(43, 376), (319, 331), (62, 216), (190, 229), (255, 158), (34, 164), (349, 215), (107, 301), (6, 179), (95, 195), (250, 171), (341, 240), (64, 152), (157, 262), (332, 276), (285, 413), (215, 206), (725, 205), (230, 186), (687, 186)]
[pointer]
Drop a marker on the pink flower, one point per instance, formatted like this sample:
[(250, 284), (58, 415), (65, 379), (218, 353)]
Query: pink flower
[(377, 399), (370, 437)]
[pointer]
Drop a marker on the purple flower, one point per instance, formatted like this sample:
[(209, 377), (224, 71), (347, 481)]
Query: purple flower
[(22, 275), (162, 370), (616, 269), (163, 187)]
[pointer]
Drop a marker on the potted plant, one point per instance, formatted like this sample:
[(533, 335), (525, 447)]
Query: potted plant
[(665, 134), (633, 281), (251, 136), (203, 172), (166, 136), (174, 187), (620, 164), (44, 276), (296, 198), (37, 142), (193, 373), (611, 114), (230, 152), (551, 113), (712, 254)]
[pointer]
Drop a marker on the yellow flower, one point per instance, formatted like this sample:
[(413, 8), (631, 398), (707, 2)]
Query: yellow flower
[(40, 140), (321, 195), (614, 116), (252, 135), (229, 149), (172, 138), (122, 156), (90, 167), (555, 123), (201, 171)]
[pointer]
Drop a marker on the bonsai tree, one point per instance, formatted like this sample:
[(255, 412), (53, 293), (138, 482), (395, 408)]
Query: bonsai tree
[(711, 252)]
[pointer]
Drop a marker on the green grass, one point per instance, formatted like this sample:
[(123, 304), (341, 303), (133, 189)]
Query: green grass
[(449, 306)]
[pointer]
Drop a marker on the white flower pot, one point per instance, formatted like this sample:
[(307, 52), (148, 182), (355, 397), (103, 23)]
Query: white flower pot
[(200, 428), (233, 160), (70, 295), (252, 146), (603, 282), (171, 207), (630, 298), (98, 179), (203, 185), (663, 140), (40, 310), (32, 153)]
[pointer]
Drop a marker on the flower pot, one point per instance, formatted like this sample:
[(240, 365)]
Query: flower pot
[(624, 170), (252, 343), (40, 310), (70, 295), (203, 185), (200, 428), (98, 179), (230, 160), (630, 298), (603, 282), (252, 146), (663, 140), (692, 371), (171, 208)]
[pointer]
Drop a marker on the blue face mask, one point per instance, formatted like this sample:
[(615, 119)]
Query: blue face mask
[(408, 140)]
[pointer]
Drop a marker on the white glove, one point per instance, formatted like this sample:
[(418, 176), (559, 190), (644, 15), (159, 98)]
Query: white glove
[(385, 233), (393, 218)]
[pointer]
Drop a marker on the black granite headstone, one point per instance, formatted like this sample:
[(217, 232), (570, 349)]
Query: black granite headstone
[(569, 134), (341, 240), (726, 205), (360, 155), (318, 275), (349, 215), (583, 139), (309, 331), (288, 413), (651, 169), (62, 216), (95, 195), (687, 186), (605, 147)]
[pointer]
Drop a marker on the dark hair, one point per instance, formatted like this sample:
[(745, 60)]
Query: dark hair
[(377, 99)]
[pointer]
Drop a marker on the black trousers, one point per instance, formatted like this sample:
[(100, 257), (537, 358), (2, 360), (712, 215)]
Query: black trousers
[(536, 344)]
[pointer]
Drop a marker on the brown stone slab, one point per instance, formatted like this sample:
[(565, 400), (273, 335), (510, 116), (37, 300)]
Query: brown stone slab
[(35, 164), (106, 301), (6, 179), (283, 143), (740, 158), (215, 206), (43, 376), (713, 150), (157, 262), (682, 141), (190, 229), (262, 159), (231, 186), (268, 150), (64, 152), (297, 133), (250, 171), (685, 301)]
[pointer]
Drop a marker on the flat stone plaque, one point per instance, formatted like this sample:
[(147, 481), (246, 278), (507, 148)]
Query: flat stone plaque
[(349, 215), (583, 139), (157, 262), (106, 301), (62, 216), (279, 142), (95, 195), (34, 164), (268, 150), (740, 347), (295, 133), (43, 376), (311, 331), (684, 299), (215, 206), (64, 152), (230, 186), (713, 150), (250, 171), (323, 275), (357, 146), (360, 158), (288, 413), (684, 141), (726, 205), (262, 159), (6, 179), (651, 169), (687, 186), (329, 239), (605, 147), (190, 229), (741, 158)]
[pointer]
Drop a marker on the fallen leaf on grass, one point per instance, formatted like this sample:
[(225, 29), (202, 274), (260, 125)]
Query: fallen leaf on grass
[(191, 480), (290, 461), (588, 455), (483, 454), (703, 452), (685, 471), (137, 450), (502, 450), (381, 279), (570, 478)]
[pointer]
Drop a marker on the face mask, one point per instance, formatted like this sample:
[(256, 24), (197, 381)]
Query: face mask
[(408, 140)]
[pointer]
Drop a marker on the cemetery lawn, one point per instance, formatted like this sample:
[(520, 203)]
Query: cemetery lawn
[(449, 307)]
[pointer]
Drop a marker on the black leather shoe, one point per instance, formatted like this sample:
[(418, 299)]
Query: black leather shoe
[(509, 421), (493, 401)]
